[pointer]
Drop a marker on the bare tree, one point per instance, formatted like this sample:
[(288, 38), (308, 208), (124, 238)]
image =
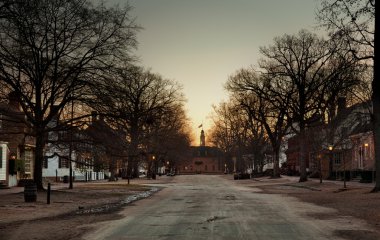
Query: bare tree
[(51, 51), (169, 137), (352, 21), (266, 100), (236, 133), (138, 100), (357, 23), (309, 66), (221, 134)]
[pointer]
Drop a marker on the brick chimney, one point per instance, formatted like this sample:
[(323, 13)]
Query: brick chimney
[(14, 101), (341, 104)]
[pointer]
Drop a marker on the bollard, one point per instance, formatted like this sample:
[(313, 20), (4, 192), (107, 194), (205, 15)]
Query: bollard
[(48, 193)]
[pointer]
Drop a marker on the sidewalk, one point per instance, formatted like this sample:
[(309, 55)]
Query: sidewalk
[(336, 182), (61, 185), (54, 186), (259, 181)]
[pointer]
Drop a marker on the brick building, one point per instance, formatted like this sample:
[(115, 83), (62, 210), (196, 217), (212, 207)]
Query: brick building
[(204, 160), (16, 143), (343, 148)]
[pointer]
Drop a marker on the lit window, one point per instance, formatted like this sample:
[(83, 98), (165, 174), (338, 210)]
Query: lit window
[(28, 161), (1, 157)]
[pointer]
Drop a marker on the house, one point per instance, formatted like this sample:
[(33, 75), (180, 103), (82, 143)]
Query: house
[(293, 150), (362, 162), (349, 143), (16, 143), (105, 146), (203, 160), (56, 165), (87, 148), (340, 149)]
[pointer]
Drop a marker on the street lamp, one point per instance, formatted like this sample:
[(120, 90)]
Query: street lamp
[(344, 147), (320, 167), (154, 167), (12, 164), (330, 161), (366, 145)]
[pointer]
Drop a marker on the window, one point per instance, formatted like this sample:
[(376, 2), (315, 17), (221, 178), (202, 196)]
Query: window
[(28, 160), (361, 157), (337, 158), (79, 163), (45, 163), (63, 162), (1, 157)]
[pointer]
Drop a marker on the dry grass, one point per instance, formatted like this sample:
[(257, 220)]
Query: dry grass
[(353, 201)]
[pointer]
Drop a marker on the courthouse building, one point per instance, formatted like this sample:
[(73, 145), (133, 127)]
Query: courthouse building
[(203, 159)]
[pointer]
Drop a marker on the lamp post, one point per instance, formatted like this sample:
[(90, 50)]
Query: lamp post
[(366, 145), (154, 167), (12, 164), (320, 168), (344, 166), (330, 162)]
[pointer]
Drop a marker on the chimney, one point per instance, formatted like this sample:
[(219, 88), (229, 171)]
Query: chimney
[(14, 101), (341, 104)]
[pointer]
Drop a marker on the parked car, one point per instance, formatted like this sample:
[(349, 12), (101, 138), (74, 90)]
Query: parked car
[(240, 175)]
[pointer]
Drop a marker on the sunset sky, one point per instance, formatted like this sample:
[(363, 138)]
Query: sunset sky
[(199, 43)]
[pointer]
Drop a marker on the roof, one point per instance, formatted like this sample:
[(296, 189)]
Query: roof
[(102, 134), (205, 151)]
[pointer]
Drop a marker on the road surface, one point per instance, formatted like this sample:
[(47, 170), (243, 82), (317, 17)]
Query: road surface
[(213, 207)]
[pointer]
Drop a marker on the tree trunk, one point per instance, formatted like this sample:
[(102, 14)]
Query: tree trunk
[(276, 160), (376, 102), (303, 174), (38, 160), (112, 169), (135, 170)]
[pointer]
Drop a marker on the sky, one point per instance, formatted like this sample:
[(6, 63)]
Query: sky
[(200, 43)]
